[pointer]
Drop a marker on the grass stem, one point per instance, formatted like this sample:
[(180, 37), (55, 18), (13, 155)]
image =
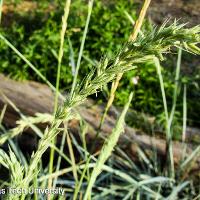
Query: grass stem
[(90, 6), (184, 113), (60, 56)]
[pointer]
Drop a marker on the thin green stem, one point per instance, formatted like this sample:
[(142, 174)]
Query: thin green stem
[(77, 188), (61, 150), (184, 113), (168, 131), (178, 66), (90, 6), (60, 56), (61, 50)]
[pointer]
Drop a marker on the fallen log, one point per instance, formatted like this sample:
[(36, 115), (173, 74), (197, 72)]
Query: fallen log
[(31, 98)]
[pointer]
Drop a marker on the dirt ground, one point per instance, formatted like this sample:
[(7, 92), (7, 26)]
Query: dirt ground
[(185, 10)]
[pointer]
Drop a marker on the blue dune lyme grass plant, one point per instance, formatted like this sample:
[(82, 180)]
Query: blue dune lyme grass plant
[(152, 46)]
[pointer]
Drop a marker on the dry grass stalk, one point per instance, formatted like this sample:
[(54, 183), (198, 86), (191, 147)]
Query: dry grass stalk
[(133, 36)]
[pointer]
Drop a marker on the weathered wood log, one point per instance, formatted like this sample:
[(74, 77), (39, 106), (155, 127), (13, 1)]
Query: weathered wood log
[(31, 97)]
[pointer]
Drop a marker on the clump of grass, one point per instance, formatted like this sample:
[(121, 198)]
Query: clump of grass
[(150, 47)]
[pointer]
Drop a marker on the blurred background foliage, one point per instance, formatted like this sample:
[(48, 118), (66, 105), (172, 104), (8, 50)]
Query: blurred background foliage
[(35, 33)]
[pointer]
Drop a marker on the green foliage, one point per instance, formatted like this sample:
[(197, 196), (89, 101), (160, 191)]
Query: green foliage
[(42, 39), (109, 28)]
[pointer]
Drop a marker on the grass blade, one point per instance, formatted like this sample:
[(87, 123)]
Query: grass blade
[(178, 66), (107, 148)]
